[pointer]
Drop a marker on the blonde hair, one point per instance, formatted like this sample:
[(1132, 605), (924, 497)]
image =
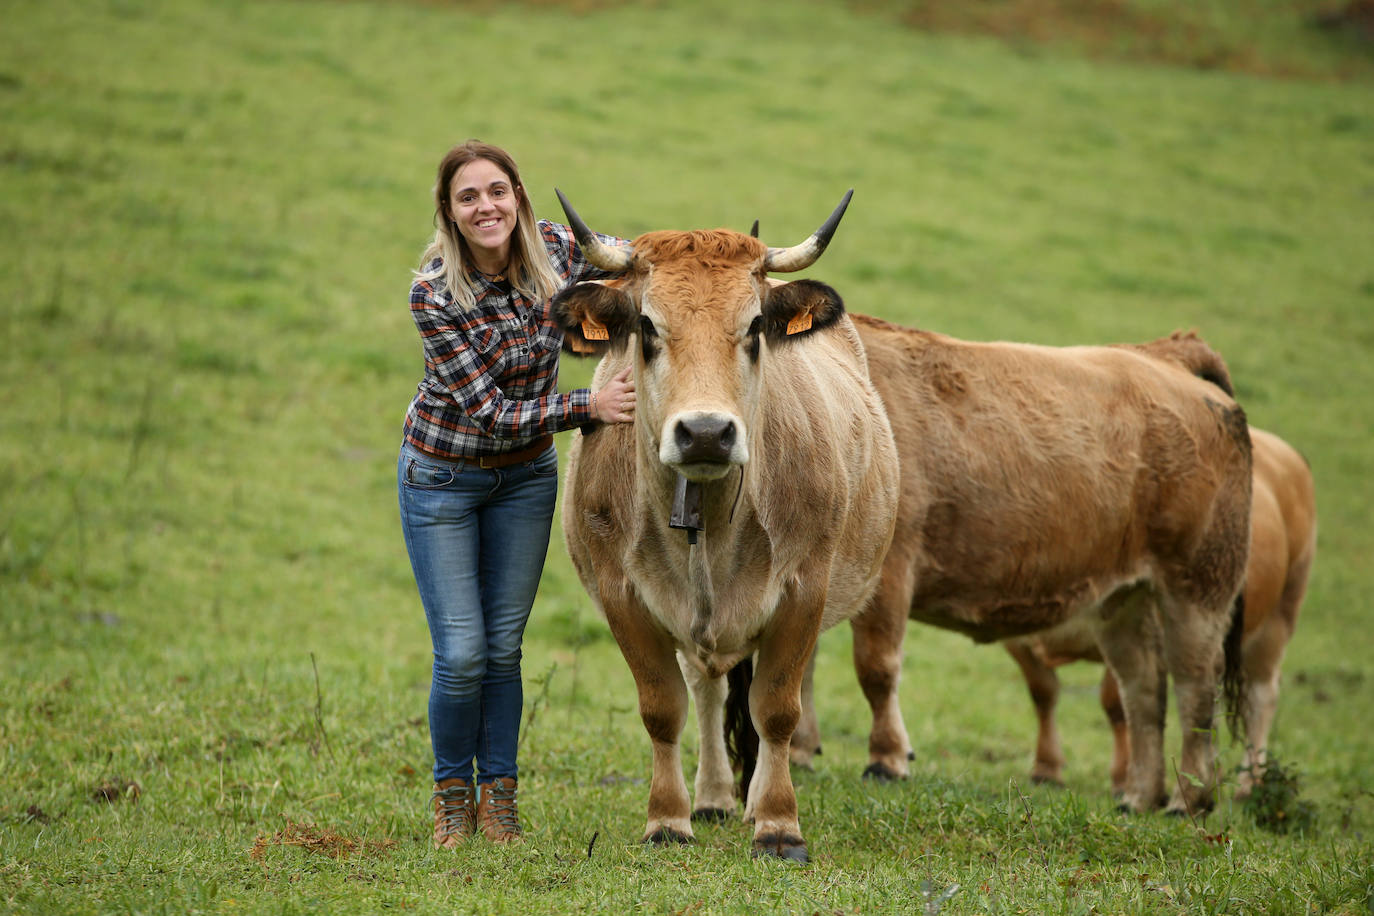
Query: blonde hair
[(529, 269)]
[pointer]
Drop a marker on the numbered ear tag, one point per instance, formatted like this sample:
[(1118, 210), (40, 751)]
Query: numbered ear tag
[(800, 323), (594, 330)]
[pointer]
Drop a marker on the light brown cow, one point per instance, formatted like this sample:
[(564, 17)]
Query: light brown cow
[(758, 431), (1079, 489), (1283, 525)]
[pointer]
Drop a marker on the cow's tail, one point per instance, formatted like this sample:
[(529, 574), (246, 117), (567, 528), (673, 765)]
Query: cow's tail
[(741, 740), (1194, 355), (1233, 671)]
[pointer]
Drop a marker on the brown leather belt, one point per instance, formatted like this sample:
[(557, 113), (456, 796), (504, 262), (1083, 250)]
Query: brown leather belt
[(529, 452)]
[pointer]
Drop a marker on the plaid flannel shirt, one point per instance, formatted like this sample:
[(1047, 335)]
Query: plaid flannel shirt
[(491, 374)]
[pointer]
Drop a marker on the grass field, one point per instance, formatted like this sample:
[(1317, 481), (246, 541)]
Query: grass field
[(215, 664)]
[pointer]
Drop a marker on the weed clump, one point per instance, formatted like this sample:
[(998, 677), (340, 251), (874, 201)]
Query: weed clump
[(318, 840), (1273, 803)]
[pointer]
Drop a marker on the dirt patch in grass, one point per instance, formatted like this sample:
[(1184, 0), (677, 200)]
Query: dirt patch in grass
[(319, 841), (117, 788), (1355, 18), (1096, 24), (1175, 35)]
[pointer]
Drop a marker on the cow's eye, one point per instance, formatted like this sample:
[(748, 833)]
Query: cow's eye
[(751, 341), (648, 338)]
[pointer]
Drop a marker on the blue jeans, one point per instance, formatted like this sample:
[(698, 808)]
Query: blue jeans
[(477, 539)]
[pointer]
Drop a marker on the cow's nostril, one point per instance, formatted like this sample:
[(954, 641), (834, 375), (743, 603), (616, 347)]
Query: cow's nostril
[(683, 436), (727, 437)]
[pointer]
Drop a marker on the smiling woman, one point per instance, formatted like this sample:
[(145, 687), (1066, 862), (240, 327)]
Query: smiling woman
[(478, 473)]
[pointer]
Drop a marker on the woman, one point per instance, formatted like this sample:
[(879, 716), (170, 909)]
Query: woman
[(478, 472)]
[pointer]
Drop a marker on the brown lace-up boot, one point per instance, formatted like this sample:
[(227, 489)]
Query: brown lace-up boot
[(496, 812), (455, 812)]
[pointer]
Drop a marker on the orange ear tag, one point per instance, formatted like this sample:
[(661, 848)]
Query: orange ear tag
[(594, 330), (800, 323)]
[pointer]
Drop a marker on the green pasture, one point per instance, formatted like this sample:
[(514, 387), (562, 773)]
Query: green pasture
[(215, 665)]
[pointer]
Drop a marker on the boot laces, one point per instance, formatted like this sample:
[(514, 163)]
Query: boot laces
[(455, 810), (501, 805)]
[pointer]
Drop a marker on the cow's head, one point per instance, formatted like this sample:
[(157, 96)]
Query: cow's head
[(701, 315)]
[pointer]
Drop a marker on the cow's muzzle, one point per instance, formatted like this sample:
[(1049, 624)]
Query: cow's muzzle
[(703, 445)]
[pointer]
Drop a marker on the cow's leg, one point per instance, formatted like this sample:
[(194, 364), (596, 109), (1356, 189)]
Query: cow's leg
[(1261, 702), (663, 707), (1193, 638), (1043, 685), (775, 706), (1261, 657), (715, 790), (1110, 697), (806, 740), (1129, 640), (878, 635)]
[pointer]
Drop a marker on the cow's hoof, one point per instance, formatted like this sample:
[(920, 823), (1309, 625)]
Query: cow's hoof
[(781, 846), (663, 836), (1126, 806), (910, 755), (712, 815), (1042, 780), (1182, 811), (881, 772)]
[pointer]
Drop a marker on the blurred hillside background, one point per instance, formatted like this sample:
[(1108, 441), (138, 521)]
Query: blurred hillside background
[(215, 660)]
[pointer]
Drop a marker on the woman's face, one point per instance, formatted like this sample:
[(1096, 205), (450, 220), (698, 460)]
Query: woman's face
[(484, 205)]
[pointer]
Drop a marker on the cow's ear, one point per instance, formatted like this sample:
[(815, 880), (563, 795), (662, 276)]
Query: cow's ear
[(594, 317), (793, 310)]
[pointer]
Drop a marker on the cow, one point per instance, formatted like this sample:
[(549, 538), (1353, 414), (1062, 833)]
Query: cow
[(1088, 490), (748, 506), (1283, 543)]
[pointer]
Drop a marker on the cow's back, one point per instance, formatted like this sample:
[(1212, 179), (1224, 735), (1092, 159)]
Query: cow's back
[(1037, 480)]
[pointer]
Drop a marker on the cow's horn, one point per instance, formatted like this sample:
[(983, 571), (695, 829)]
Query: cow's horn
[(800, 257), (615, 258)]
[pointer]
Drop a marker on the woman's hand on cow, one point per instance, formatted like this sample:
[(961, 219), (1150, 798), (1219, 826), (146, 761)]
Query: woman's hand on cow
[(615, 402)]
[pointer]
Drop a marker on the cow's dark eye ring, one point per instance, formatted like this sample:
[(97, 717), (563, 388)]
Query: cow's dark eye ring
[(755, 326), (648, 338)]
